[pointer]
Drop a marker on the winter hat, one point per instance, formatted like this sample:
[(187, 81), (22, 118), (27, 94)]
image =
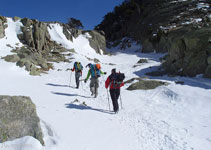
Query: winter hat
[(113, 70)]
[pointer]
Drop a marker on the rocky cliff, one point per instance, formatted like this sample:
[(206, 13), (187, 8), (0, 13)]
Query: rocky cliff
[(39, 50), (180, 28)]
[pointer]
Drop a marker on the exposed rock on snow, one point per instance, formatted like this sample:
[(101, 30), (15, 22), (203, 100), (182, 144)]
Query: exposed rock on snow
[(18, 118), (144, 84)]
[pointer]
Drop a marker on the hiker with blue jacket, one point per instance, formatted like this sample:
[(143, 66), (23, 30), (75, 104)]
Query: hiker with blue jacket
[(94, 72), (77, 67)]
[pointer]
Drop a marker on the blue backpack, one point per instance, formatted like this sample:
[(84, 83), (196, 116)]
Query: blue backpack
[(94, 71), (78, 66)]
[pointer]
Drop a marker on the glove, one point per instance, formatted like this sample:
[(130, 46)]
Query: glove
[(85, 80), (105, 72), (71, 69)]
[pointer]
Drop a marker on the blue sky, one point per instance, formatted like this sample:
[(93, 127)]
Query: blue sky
[(89, 12)]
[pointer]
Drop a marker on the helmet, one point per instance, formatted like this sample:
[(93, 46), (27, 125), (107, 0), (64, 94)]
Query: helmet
[(98, 66)]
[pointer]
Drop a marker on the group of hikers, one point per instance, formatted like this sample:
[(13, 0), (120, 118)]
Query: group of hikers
[(114, 81)]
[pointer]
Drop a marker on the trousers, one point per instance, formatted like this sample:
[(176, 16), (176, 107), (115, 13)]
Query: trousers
[(114, 97)]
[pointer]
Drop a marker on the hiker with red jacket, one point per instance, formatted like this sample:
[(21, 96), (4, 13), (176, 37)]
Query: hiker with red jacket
[(77, 67), (115, 82)]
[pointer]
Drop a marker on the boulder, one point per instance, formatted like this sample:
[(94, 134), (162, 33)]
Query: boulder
[(18, 118), (145, 84), (142, 61), (11, 58)]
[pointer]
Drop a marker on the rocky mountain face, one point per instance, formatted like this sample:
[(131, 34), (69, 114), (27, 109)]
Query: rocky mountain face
[(39, 51), (181, 28)]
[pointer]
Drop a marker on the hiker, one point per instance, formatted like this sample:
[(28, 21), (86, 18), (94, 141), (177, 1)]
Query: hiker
[(115, 81), (77, 67), (95, 72)]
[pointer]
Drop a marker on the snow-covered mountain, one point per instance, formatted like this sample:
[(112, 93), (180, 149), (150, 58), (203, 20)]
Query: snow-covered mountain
[(172, 117)]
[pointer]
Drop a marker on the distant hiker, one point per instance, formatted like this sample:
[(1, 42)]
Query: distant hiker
[(95, 72), (77, 67), (115, 81)]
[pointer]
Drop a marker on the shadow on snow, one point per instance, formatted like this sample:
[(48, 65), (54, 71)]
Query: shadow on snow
[(51, 84), (190, 81), (82, 107), (58, 85), (67, 94)]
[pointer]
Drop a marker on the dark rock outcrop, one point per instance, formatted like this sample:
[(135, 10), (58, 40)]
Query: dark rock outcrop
[(181, 28), (18, 118), (142, 61), (143, 19), (11, 58), (35, 35), (189, 51), (142, 84), (34, 61)]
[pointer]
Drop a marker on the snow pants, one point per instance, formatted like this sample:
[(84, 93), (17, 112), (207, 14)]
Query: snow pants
[(114, 97), (94, 84), (77, 76)]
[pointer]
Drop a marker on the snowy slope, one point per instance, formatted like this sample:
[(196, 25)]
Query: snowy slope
[(174, 117)]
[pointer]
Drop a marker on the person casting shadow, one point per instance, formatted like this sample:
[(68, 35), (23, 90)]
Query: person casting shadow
[(115, 82), (77, 67)]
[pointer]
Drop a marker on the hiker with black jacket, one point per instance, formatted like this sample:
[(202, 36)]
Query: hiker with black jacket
[(94, 72), (115, 81), (77, 67)]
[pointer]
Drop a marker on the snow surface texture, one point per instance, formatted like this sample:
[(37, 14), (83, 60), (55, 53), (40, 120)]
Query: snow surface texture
[(173, 117)]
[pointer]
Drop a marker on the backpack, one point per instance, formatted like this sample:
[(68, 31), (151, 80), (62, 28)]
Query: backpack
[(95, 72), (117, 78), (78, 66)]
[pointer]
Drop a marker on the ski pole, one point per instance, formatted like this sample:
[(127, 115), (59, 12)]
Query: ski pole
[(120, 100), (108, 101), (70, 78), (81, 84)]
